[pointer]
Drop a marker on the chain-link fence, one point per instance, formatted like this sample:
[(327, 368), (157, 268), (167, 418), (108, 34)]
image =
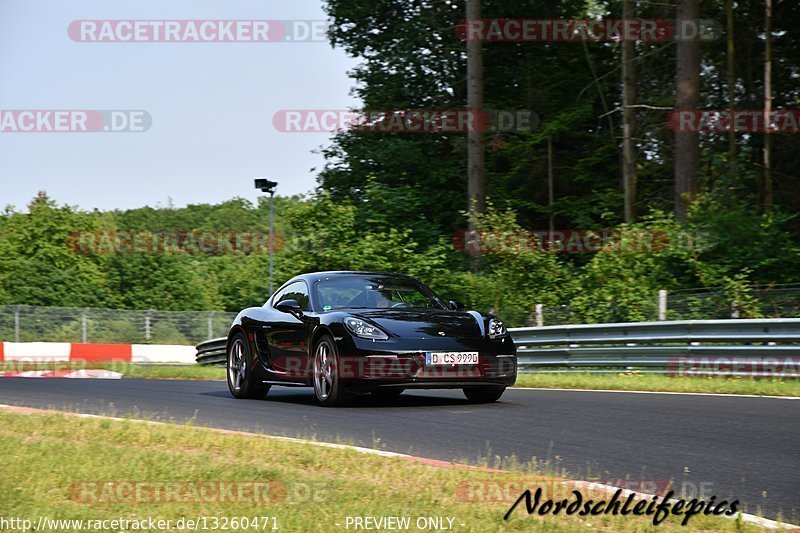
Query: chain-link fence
[(779, 301), (23, 323), (776, 301)]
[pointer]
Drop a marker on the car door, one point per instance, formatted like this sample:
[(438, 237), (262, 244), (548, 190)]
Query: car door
[(287, 335)]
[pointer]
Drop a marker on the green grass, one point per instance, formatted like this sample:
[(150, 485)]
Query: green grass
[(663, 383), (172, 372), (49, 459)]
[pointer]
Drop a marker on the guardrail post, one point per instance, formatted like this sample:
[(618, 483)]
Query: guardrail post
[(83, 327), (16, 323), (662, 304), (539, 315)]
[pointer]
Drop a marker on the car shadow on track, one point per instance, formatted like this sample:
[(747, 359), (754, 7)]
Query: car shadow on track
[(306, 397), (369, 401)]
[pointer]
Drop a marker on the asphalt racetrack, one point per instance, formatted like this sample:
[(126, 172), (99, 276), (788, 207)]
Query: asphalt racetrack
[(733, 447)]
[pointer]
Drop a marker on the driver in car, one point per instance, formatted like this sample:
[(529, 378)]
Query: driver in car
[(381, 300)]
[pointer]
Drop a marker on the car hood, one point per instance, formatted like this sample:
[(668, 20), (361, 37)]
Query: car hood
[(424, 323)]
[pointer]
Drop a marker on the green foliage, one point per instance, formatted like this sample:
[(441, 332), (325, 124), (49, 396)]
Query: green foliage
[(724, 245), (166, 333), (327, 235), (513, 273), (37, 266), (746, 241)]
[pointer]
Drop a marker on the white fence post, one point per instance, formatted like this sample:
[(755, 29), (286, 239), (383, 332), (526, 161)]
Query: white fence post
[(662, 304), (539, 315), (83, 327), (734, 309), (16, 324), (147, 324), (211, 325)]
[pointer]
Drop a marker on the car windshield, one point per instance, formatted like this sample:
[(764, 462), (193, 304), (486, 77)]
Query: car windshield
[(375, 292)]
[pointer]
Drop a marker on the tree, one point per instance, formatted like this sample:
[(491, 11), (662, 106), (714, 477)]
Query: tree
[(476, 178), (39, 264), (687, 96), (629, 175), (768, 106)]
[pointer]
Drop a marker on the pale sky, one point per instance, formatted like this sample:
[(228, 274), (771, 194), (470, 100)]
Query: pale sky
[(211, 104)]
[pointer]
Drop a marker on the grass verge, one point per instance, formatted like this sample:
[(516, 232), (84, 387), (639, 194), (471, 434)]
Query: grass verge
[(662, 383), (71, 468)]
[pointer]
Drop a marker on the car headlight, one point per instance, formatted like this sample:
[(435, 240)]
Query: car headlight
[(365, 330), (496, 328)]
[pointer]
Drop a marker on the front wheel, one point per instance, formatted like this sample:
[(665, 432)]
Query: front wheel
[(328, 387), (483, 394), (242, 379)]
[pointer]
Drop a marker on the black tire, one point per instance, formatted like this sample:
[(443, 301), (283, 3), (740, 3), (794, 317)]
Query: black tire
[(483, 394), (241, 372), (328, 387)]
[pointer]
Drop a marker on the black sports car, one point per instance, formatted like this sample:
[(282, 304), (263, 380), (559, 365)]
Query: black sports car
[(347, 333)]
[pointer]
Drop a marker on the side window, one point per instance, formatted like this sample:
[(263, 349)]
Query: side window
[(295, 291), (278, 296)]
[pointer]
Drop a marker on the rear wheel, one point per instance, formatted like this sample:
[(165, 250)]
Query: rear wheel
[(242, 378), (483, 394), (328, 387)]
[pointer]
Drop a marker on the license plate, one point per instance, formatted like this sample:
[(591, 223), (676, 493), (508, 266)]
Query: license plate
[(451, 358)]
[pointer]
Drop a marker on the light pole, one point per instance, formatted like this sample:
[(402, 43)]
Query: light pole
[(269, 186)]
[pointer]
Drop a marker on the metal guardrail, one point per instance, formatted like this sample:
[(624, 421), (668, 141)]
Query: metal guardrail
[(212, 352), (747, 347), (750, 347)]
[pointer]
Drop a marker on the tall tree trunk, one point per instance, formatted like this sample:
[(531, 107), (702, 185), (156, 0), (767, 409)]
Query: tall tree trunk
[(629, 174), (551, 197), (687, 148), (476, 179), (732, 163), (768, 108)]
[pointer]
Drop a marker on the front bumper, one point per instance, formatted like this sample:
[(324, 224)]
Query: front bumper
[(370, 365)]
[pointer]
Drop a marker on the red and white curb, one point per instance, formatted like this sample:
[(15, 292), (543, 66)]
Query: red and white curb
[(66, 352), (71, 374)]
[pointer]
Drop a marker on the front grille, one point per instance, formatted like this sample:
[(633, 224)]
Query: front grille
[(498, 366)]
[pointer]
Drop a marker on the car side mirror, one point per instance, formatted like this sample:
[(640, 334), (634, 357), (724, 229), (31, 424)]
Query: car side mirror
[(289, 306), (456, 306)]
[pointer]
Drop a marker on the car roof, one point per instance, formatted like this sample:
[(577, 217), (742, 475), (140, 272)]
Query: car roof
[(313, 276)]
